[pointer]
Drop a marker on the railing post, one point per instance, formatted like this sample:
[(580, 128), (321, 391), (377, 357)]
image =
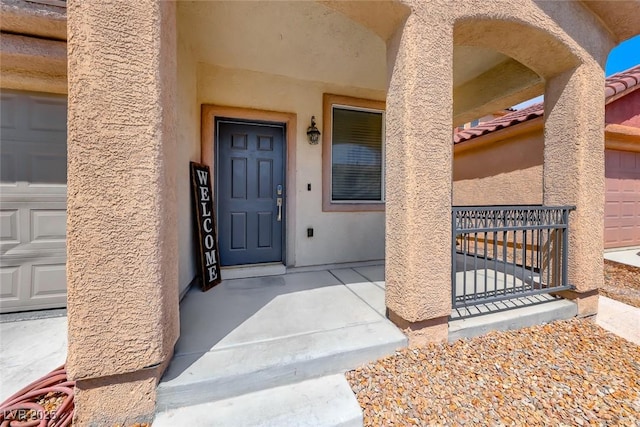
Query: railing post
[(454, 263), (565, 246)]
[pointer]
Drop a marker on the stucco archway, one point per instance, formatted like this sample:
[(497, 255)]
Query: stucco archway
[(556, 49)]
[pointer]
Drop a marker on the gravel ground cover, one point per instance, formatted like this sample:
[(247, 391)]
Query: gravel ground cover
[(568, 373), (622, 283)]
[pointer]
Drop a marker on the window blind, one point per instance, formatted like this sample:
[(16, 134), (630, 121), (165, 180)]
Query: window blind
[(356, 155)]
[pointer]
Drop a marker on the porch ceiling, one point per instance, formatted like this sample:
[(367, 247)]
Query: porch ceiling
[(340, 43), (381, 17), (499, 86), (620, 17), (471, 61), (304, 40)]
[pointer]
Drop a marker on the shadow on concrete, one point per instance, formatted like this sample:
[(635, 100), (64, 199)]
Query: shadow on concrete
[(208, 319), (256, 312)]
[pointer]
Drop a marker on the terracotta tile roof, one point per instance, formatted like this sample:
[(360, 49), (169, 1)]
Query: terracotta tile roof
[(531, 112), (622, 81), (614, 85)]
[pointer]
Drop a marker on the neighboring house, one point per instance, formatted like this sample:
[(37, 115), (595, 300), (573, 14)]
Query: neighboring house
[(152, 85), (501, 161)]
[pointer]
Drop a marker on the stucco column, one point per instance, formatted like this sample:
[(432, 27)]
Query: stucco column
[(574, 172), (121, 223), (418, 179)]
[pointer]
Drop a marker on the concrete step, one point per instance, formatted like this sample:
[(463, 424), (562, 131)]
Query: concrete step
[(549, 310), (325, 401), (236, 370)]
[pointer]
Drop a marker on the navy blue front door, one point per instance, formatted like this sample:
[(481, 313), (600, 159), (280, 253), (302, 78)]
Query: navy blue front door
[(250, 189)]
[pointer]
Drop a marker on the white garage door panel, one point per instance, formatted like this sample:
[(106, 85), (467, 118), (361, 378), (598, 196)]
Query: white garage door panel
[(9, 226), (9, 281), (33, 228), (33, 201), (37, 284), (48, 225), (48, 280), (622, 207)]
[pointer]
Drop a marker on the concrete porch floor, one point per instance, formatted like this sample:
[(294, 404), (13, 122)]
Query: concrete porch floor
[(248, 335), (250, 348)]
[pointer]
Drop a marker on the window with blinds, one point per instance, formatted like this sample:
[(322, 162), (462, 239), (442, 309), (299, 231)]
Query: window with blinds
[(357, 155)]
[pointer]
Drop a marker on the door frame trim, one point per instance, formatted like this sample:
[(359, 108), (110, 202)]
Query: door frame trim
[(211, 112)]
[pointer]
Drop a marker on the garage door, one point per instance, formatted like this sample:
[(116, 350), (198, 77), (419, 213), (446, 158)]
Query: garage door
[(33, 189), (622, 208)]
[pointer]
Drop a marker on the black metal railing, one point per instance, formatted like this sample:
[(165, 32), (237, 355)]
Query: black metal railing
[(505, 252)]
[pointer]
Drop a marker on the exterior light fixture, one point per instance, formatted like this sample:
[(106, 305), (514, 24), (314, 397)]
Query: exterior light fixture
[(312, 132)]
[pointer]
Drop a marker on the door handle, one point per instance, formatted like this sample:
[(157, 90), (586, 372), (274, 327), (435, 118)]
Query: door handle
[(279, 204)]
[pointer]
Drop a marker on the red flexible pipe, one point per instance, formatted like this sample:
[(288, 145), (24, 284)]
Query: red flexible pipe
[(14, 410)]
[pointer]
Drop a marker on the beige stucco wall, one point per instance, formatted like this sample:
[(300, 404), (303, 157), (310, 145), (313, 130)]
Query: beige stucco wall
[(502, 172), (573, 171), (289, 73), (122, 270), (419, 163), (338, 236), (189, 150), (120, 206)]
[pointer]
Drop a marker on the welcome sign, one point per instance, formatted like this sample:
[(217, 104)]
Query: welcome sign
[(205, 227)]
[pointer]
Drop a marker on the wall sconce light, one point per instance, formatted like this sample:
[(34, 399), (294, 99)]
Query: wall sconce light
[(312, 132)]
